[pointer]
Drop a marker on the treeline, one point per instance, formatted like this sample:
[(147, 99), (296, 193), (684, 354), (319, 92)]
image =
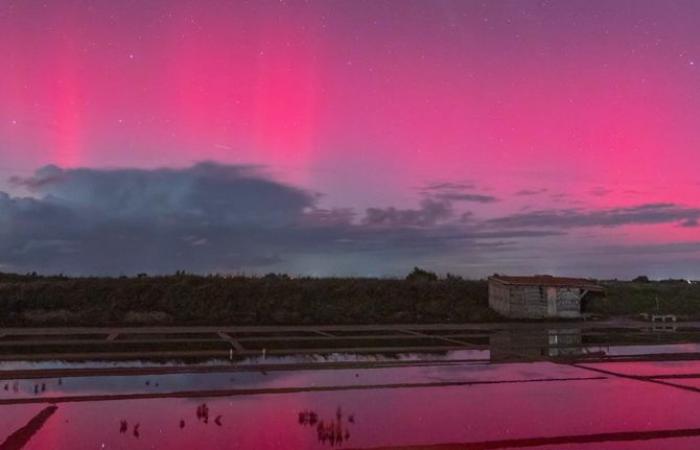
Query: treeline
[(678, 297), (274, 299), (239, 300)]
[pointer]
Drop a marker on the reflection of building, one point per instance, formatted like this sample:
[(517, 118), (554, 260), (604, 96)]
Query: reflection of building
[(533, 344), (512, 345), (538, 344), (540, 296), (567, 342)]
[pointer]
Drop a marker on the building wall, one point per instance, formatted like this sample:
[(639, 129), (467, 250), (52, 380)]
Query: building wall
[(528, 302), (534, 302), (499, 298), (569, 302)]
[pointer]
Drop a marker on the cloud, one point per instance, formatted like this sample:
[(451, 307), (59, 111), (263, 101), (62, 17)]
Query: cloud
[(205, 218), (692, 247), (528, 192), (462, 197), (456, 192), (221, 218), (430, 213), (600, 191), (204, 192), (448, 185), (646, 214)]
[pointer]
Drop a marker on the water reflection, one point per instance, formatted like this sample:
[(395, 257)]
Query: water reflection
[(508, 345), (203, 416), (566, 345), (332, 432), (203, 413), (534, 378), (575, 344)]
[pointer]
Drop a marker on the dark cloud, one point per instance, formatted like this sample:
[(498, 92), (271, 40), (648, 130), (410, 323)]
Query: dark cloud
[(219, 218), (449, 186), (528, 192), (600, 191), (456, 192), (463, 197), (204, 192), (691, 247), (653, 213), (205, 218), (430, 213), (466, 217)]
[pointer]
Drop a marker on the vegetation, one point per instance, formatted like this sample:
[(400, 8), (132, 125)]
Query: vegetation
[(419, 274), (653, 297), (277, 299), (238, 300)]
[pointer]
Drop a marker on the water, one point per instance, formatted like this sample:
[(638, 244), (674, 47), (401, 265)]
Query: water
[(538, 392)]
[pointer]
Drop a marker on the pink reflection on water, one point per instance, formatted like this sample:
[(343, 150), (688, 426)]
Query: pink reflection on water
[(387, 417), (649, 368), (390, 417)]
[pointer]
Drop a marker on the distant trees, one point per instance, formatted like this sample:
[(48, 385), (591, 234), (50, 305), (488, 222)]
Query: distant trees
[(641, 295), (272, 299), (276, 276), (276, 299), (419, 274)]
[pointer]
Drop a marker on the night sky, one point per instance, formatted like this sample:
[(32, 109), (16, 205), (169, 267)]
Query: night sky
[(350, 137)]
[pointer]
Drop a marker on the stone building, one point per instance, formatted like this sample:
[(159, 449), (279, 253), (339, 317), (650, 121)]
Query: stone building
[(541, 296)]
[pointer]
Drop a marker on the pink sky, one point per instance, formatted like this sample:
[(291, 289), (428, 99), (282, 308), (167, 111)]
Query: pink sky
[(366, 102)]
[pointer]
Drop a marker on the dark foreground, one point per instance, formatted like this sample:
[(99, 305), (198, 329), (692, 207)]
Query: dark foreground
[(608, 385)]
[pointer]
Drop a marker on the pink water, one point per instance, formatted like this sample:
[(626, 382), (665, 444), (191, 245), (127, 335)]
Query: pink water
[(370, 410)]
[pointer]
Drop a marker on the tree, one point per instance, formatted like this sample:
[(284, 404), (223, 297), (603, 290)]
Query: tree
[(419, 274)]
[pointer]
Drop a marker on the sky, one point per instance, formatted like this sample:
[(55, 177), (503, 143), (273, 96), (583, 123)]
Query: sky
[(350, 137)]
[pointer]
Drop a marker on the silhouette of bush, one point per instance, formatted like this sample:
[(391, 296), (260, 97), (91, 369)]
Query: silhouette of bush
[(419, 274)]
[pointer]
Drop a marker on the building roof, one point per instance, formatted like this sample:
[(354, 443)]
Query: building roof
[(548, 280)]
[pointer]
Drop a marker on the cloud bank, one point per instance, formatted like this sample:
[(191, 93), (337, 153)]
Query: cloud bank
[(205, 218), (646, 214), (222, 218)]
